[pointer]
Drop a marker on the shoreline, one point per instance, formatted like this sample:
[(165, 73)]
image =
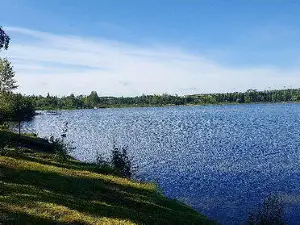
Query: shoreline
[(72, 191), (161, 106)]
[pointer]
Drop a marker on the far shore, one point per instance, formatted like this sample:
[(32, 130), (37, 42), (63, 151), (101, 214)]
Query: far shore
[(170, 105)]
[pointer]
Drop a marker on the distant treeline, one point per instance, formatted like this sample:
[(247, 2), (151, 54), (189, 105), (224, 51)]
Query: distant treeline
[(93, 100)]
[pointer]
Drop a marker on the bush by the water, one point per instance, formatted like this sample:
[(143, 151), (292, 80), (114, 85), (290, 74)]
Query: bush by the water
[(60, 145), (120, 161), (270, 213)]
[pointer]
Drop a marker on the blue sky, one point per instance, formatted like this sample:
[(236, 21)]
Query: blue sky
[(135, 47)]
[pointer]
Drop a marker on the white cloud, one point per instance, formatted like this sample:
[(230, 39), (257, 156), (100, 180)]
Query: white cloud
[(62, 65)]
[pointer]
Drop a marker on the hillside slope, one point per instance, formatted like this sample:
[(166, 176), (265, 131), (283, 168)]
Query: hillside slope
[(38, 188)]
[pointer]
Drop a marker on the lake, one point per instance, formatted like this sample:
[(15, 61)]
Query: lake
[(221, 160)]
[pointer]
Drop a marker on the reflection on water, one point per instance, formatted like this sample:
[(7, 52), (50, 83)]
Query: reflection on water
[(222, 160)]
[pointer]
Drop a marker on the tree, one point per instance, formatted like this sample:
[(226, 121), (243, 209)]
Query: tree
[(4, 40), (20, 109), (7, 74), (15, 107), (93, 99), (4, 108), (7, 82), (121, 162)]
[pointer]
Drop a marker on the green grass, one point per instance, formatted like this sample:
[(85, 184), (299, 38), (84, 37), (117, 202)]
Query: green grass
[(36, 187)]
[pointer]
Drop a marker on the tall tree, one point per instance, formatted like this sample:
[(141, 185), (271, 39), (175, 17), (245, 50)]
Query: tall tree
[(13, 107), (7, 74), (4, 40), (7, 82), (93, 99)]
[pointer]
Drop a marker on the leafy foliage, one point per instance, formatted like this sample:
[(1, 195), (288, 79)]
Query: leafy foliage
[(21, 107), (119, 161), (4, 39), (60, 146), (7, 74), (271, 212), (15, 107)]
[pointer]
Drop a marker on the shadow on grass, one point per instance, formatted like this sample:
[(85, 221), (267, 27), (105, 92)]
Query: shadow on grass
[(68, 164), (94, 197), (18, 218), (15, 140)]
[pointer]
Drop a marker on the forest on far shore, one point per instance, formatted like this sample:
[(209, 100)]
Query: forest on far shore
[(94, 100)]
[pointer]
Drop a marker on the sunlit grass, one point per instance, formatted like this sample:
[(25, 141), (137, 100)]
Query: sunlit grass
[(37, 188), (20, 164)]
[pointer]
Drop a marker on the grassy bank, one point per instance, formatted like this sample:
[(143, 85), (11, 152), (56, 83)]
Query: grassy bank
[(36, 187)]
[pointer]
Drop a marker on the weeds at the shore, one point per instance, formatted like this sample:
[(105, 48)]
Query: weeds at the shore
[(61, 147), (270, 213), (120, 161)]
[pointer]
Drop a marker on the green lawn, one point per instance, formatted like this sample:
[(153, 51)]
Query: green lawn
[(38, 188)]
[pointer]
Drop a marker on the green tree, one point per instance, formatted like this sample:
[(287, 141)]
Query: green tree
[(13, 107), (4, 108), (20, 108), (93, 99), (7, 74)]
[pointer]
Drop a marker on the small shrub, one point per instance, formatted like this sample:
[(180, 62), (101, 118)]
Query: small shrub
[(101, 161), (270, 213), (103, 164), (60, 146), (119, 161)]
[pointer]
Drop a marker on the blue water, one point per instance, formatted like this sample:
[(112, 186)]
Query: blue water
[(222, 160)]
